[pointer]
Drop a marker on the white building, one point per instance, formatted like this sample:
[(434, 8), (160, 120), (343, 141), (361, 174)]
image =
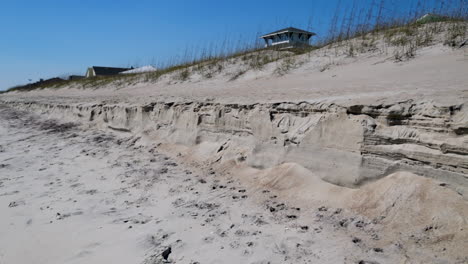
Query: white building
[(288, 38)]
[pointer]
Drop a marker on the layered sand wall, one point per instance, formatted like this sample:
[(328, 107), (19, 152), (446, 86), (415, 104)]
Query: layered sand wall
[(343, 145)]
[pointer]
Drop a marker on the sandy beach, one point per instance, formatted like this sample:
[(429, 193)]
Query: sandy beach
[(75, 194), (71, 195), (345, 158)]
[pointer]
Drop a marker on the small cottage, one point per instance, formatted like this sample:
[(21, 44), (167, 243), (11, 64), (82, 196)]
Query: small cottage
[(104, 71), (288, 38)]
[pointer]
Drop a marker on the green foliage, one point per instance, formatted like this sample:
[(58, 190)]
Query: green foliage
[(285, 66), (259, 61), (237, 74), (183, 74), (405, 52), (303, 50), (400, 36), (425, 38), (368, 45), (456, 33), (351, 50), (400, 41)]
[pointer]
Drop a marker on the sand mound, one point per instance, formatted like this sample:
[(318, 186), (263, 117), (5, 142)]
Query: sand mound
[(294, 181), (414, 210), (400, 198), (406, 197), (404, 205)]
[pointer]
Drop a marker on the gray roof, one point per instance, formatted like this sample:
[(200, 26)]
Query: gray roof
[(108, 70), (288, 29)]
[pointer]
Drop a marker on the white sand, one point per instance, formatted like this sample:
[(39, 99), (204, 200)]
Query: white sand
[(97, 187), (70, 195), (81, 194)]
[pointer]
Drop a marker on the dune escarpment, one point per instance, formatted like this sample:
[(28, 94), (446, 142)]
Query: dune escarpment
[(344, 145)]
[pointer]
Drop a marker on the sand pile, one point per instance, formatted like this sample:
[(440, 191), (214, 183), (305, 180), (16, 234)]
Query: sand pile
[(404, 208)]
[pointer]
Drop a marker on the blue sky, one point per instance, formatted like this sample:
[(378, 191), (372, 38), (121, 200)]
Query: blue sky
[(48, 38)]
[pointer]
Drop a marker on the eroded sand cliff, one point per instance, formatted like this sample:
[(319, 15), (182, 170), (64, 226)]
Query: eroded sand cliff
[(347, 146)]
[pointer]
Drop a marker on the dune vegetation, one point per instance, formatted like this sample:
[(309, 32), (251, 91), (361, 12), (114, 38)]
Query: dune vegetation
[(355, 28)]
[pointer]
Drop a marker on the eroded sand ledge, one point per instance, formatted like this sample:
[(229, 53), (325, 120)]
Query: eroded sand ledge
[(343, 145)]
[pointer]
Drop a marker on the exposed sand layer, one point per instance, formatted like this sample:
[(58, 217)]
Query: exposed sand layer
[(347, 146)]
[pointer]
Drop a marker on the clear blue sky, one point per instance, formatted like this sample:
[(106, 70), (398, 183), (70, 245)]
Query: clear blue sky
[(48, 38)]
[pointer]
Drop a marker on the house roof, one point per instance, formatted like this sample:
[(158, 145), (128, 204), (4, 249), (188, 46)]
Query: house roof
[(288, 29), (108, 70)]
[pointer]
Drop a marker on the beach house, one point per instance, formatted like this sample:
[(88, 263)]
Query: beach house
[(288, 38)]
